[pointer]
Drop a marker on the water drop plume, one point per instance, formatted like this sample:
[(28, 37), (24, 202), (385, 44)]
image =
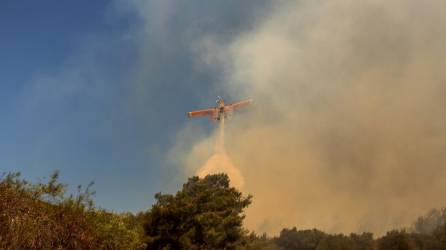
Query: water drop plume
[(219, 162)]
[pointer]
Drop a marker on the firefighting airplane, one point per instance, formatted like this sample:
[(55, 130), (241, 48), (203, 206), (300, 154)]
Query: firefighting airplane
[(221, 110)]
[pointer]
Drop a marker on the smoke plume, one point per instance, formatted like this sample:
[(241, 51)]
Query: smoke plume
[(348, 132)]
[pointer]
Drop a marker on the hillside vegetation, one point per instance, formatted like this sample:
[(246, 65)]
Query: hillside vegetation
[(205, 214)]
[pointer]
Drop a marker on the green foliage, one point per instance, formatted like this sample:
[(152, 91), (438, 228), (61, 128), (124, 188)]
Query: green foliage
[(41, 216), (303, 239), (439, 236), (293, 239), (429, 222), (118, 231), (255, 242), (427, 242), (336, 242), (397, 240), (206, 214), (363, 241)]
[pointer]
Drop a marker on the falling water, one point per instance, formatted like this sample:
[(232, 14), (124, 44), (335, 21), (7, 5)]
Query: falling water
[(220, 141), (219, 162)]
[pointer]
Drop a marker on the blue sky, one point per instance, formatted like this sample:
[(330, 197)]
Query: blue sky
[(98, 89)]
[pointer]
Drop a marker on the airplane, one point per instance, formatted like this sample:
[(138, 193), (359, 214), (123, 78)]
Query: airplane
[(221, 110)]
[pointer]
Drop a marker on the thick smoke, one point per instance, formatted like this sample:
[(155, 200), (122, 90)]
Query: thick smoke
[(348, 132)]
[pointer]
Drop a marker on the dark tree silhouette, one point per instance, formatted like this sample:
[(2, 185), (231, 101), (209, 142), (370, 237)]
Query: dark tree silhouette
[(206, 214)]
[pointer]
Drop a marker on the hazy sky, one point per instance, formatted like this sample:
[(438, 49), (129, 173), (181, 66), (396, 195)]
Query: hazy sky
[(98, 89)]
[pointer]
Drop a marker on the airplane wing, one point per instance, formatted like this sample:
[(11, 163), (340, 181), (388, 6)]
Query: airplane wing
[(202, 112), (240, 104)]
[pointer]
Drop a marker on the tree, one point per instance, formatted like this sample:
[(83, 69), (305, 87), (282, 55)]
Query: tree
[(337, 242), (206, 214), (397, 240), (256, 242), (291, 239), (37, 216), (41, 216), (428, 223), (363, 241)]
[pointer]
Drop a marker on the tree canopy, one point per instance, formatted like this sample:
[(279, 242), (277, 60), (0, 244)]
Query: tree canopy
[(206, 214), (42, 216)]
